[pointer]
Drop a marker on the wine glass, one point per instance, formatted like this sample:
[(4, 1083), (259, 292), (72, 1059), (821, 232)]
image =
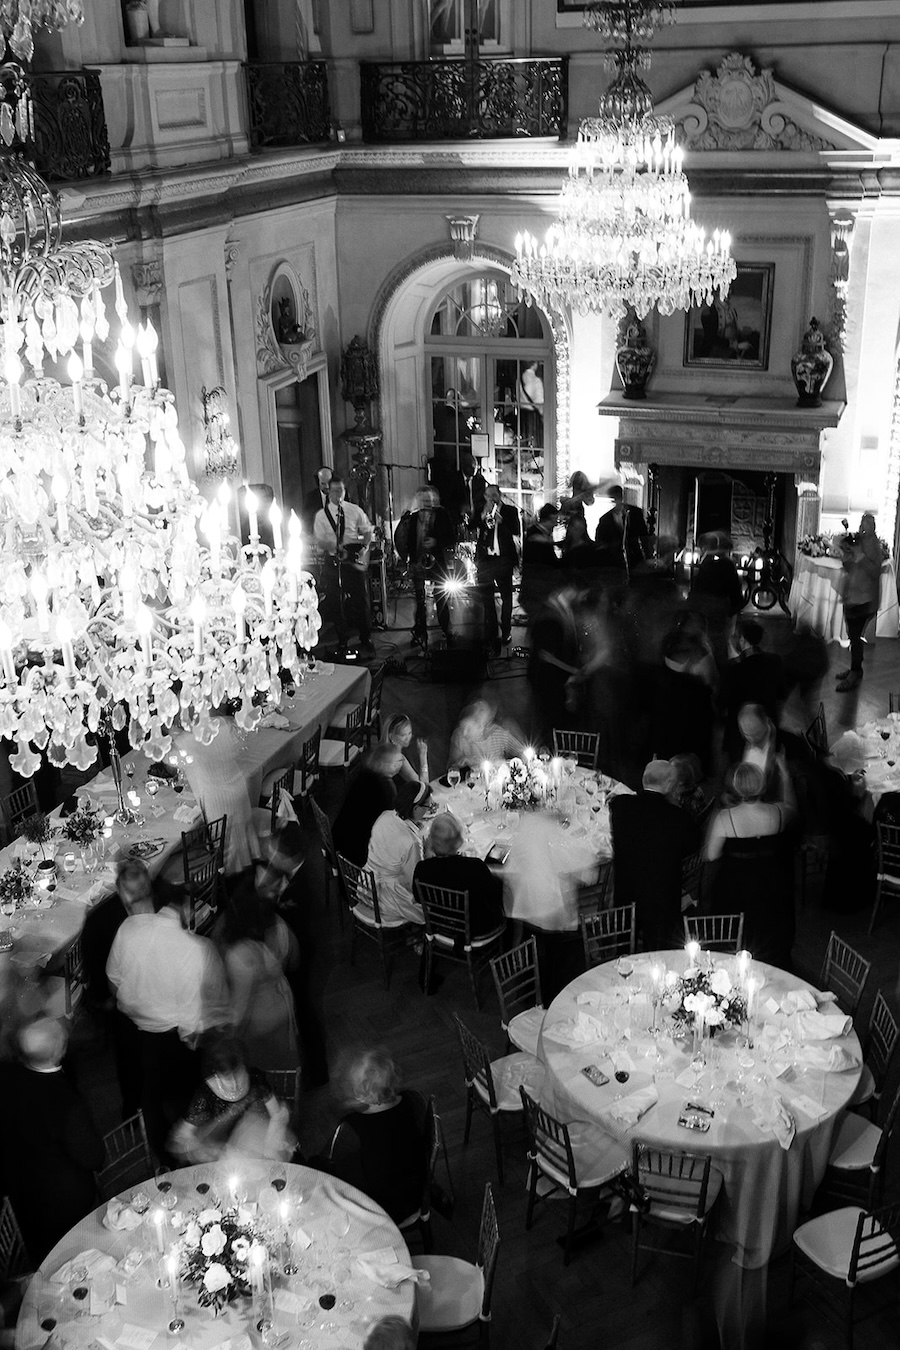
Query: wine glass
[(167, 1197), (152, 787), (453, 778), (178, 783), (128, 767), (80, 1289), (277, 1177), (69, 863)]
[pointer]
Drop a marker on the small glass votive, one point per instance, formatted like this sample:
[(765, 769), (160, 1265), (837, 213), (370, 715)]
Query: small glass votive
[(69, 862)]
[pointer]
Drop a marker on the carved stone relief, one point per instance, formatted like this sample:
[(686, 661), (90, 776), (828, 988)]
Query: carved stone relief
[(285, 332), (738, 108)]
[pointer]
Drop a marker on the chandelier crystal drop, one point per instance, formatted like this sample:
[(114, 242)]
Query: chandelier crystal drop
[(625, 238), (19, 17), (123, 592)]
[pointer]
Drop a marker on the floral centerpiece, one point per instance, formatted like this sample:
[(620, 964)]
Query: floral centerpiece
[(217, 1249), (816, 545), (16, 883), (524, 784), (36, 829), (705, 995), (83, 826)]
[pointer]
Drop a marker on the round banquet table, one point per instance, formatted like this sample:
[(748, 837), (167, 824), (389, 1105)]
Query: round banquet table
[(547, 860), (882, 755), (765, 1185), (328, 1264), (815, 600)]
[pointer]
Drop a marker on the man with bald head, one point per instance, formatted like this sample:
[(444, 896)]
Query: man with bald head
[(651, 837), (49, 1146), (447, 867)]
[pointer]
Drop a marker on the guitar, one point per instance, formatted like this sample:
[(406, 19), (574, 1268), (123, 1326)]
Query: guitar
[(355, 554)]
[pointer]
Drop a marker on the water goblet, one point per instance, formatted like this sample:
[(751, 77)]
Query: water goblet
[(453, 778), (167, 1197), (69, 863), (128, 768), (277, 1177), (152, 786), (80, 1289)]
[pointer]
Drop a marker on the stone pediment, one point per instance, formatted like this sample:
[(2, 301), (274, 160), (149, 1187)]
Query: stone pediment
[(740, 108)]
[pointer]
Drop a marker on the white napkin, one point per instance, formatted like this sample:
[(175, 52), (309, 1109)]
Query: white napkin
[(629, 1110), (183, 814), (120, 1217), (93, 1261), (816, 1026), (832, 1058), (580, 1030), (390, 1275), (592, 998), (772, 1117), (275, 721), (284, 812), (798, 1000)]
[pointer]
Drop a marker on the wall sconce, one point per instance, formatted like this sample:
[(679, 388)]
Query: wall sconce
[(221, 447), (359, 378)]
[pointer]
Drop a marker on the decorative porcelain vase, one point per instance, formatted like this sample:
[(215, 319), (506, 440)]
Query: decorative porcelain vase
[(635, 358), (137, 21), (811, 367)]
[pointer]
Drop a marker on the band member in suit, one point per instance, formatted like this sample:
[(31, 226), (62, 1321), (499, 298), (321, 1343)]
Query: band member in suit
[(424, 539), (315, 501), (343, 535), (496, 553), (622, 535)]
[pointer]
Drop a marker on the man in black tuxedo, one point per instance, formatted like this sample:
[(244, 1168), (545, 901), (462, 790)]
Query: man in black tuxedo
[(651, 837), (496, 554), (424, 539), (315, 501), (622, 535), (50, 1146), (754, 676)]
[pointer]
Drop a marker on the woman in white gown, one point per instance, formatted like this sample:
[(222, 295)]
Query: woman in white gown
[(217, 781)]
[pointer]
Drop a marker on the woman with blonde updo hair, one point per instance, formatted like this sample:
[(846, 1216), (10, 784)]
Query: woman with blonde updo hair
[(379, 1146), (752, 862)]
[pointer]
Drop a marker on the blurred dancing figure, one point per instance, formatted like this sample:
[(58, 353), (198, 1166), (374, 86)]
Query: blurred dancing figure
[(424, 539), (496, 554), (861, 559), (622, 535)]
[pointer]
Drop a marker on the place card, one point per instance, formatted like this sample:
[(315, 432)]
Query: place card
[(240, 1342), (302, 1239), (808, 1106), (135, 1338), (385, 1256), (687, 1078), (286, 1301), (153, 809)]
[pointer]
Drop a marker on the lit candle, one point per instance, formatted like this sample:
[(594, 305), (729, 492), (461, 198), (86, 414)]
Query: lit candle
[(86, 330), (123, 366), (60, 491), (224, 495), (128, 587), (252, 520), (159, 1223), (486, 771), (275, 519), (743, 965), (213, 530), (144, 354), (6, 653), (75, 370), (64, 635), (197, 611), (145, 628), (134, 800), (529, 753), (173, 1266), (258, 1256), (267, 578), (14, 371), (692, 950), (233, 1183), (239, 605), (152, 342), (752, 985), (656, 974)]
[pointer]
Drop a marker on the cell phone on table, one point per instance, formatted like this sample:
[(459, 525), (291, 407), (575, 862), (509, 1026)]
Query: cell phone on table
[(595, 1075), (497, 855)]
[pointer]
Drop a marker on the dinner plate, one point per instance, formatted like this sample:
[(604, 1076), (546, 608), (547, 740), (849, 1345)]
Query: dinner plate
[(146, 848)]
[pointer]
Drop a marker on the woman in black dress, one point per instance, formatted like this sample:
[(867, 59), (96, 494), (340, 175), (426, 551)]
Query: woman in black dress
[(751, 864)]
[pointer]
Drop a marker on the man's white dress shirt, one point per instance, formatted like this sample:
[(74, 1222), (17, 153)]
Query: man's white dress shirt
[(165, 977), (357, 526)]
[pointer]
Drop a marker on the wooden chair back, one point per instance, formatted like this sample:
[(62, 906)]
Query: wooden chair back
[(875, 1244), (715, 932), (584, 744), (128, 1157), (373, 704), (550, 1148), (845, 973), (600, 894), (446, 918), (13, 1256), (476, 1061), (881, 1041), (887, 871), (488, 1249), (677, 1182), (18, 806), (817, 732), (359, 887), (517, 980), (608, 934), (202, 880), (309, 763), (283, 784), (74, 976)]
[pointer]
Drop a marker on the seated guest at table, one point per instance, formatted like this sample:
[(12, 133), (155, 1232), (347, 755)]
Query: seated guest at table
[(753, 676), (651, 837), (753, 872), (232, 1111), (171, 984), (379, 1146), (390, 1333), (258, 949), (372, 791), (395, 850), (133, 895), (398, 732), (217, 777), (50, 1146), (448, 868), (481, 736)]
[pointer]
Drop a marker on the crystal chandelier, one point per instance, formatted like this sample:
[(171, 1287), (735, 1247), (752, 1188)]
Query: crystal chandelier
[(18, 17), (625, 237), (123, 593)]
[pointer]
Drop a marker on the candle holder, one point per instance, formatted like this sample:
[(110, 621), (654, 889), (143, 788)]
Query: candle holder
[(698, 1044)]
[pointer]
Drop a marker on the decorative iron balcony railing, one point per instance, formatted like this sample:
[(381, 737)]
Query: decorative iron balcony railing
[(288, 102), (462, 100), (70, 136)]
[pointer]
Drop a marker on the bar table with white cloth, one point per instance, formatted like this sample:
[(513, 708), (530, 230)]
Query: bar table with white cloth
[(815, 599), (770, 1169), (343, 1245)]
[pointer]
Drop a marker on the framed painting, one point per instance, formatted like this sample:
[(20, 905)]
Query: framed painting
[(734, 331)]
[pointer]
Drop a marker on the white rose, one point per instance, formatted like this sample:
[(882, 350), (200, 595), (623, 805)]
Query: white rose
[(213, 1241), (208, 1216), (240, 1248), (672, 1001), (715, 1017), (216, 1277), (698, 1002), (192, 1234), (671, 979), (720, 982)]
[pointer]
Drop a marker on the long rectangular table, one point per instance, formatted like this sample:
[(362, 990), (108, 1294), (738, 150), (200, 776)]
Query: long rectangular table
[(42, 934)]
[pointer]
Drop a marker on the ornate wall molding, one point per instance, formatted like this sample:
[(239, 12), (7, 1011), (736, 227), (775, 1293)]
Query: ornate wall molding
[(739, 108), (147, 280), (285, 331), (462, 232), (719, 455), (842, 223)]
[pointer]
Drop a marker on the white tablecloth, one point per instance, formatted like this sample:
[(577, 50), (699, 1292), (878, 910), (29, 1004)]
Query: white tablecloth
[(766, 1186), (547, 860), (328, 1265), (815, 602), (882, 755)]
